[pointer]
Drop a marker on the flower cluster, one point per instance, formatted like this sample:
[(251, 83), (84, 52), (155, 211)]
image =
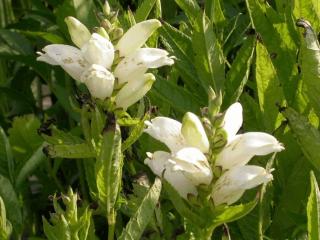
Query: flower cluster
[(93, 61), (186, 167)]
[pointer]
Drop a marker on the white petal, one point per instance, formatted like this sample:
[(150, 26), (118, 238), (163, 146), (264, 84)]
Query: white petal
[(134, 90), (158, 162), (139, 61), (193, 163), (68, 57), (99, 81), (98, 50), (244, 146), (232, 184), (233, 120), (194, 133), (79, 33), (136, 36), (166, 130)]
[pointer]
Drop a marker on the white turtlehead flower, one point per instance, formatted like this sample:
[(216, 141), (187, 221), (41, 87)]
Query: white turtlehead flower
[(186, 166), (232, 184), (99, 81), (98, 50), (242, 147), (134, 90), (79, 33)]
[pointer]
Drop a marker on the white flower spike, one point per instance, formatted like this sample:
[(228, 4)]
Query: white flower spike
[(232, 184), (79, 33)]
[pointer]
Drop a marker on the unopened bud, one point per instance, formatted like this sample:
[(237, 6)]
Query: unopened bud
[(106, 25), (102, 32), (79, 33), (116, 33), (114, 16), (215, 101), (106, 8)]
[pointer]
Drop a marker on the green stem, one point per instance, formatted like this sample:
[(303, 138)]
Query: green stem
[(111, 224), (208, 233)]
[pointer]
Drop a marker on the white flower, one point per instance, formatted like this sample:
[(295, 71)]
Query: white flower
[(232, 184), (134, 90), (99, 81), (95, 50), (186, 162), (241, 148)]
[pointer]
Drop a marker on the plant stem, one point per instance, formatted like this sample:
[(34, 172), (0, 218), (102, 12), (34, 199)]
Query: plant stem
[(111, 224)]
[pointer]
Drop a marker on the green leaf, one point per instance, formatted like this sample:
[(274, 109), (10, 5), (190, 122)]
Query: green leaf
[(177, 97), (143, 215), (182, 207), (109, 166), (190, 8), (313, 209), (144, 10), (14, 43), (310, 64), (82, 150), (6, 158), (309, 10), (35, 160), (5, 225), (180, 45), (10, 199), (307, 136), (238, 74), (269, 89), (232, 213), (135, 133), (208, 59)]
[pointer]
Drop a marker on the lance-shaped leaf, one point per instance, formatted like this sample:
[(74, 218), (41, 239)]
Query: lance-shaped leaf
[(313, 209), (82, 150), (144, 10), (109, 166), (5, 225), (143, 215), (310, 63), (307, 136), (232, 213)]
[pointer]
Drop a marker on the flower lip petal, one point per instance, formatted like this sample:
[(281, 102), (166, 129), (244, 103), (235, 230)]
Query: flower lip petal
[(167, 131), (68, 57), (233, 120)]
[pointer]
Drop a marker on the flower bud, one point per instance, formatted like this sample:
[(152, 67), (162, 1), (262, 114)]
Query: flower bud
[(194, 133), (136, 36), (106, 25), (215, 101), (232, 184), (99, 81), (98, 50), (134, 90), (116, 33), (106, 8), (102, 32), (79, 33)]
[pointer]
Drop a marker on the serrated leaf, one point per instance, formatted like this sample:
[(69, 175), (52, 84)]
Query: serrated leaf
[(313, 209), (307, 135), (190, 8), (109, 167), (143, 215)]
